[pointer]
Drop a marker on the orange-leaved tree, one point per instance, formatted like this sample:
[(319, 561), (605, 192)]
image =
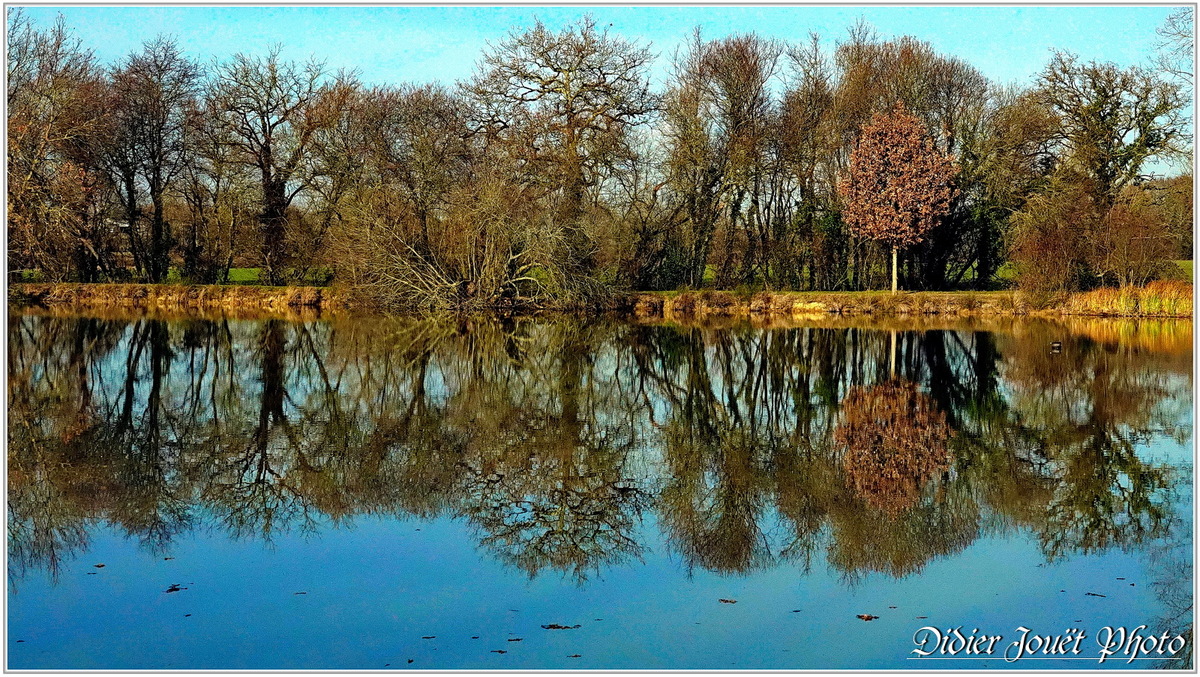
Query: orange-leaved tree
[(898, 184)]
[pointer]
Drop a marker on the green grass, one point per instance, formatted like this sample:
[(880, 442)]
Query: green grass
[(317, 276), (243, 275), (236, 276), (1007, 272), (26, 275), (1185, 269)]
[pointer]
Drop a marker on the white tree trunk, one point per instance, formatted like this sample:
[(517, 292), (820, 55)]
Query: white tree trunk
[(894, 258)]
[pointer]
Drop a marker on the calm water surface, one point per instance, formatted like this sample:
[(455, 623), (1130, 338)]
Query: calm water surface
[(421, 494)]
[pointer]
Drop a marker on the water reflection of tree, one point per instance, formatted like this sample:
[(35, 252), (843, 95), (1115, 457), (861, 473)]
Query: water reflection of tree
[(894, 442), (546, 476), (1092, 409), (84, 440), (553, 437), (1171, 567), (717, 443)]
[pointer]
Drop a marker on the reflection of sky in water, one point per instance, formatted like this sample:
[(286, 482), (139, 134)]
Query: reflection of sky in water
[(375, 584), (375, 589)]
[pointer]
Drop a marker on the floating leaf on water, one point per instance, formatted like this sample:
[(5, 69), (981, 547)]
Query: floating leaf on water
[(515, 639), (556, 626), (727, 601), (1094, 594), (867, 617)]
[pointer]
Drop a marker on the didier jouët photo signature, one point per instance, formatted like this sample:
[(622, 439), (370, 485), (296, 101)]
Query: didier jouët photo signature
[(1117, 643)]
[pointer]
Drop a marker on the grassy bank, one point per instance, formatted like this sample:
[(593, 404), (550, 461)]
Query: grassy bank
[(172, 297), (1159, 299)]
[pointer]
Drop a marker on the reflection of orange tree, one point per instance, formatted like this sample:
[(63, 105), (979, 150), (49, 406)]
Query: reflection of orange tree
[(895, 441)]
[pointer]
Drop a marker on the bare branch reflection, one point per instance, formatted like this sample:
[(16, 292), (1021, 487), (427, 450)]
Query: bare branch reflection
[(554, 439)]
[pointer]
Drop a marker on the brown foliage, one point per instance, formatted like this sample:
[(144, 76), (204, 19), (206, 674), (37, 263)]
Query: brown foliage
[(895, 441), (1045, 243), (898, 184)]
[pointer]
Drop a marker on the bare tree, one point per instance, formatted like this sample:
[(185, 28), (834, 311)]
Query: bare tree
[(422, 138), (154, 92), (266, 105), (342, 142), (1177, 44), (563, 103), (218, 192), (57, 122), (1109, 120), (1133, 244)]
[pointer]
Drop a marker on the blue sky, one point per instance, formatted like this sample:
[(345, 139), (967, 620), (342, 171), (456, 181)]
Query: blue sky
[(423, 44)]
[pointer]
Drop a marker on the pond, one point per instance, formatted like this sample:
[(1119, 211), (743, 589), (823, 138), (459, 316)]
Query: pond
[(548, 493)]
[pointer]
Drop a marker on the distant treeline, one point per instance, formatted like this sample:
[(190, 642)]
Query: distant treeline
[(557, 173)]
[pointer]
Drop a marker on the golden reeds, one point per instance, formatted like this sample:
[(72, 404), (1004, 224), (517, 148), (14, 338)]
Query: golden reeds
[(1163, 298)]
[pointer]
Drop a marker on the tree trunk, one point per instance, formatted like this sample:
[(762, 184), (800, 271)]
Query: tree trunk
[(894, 256), (273, 224), (160, 255)]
